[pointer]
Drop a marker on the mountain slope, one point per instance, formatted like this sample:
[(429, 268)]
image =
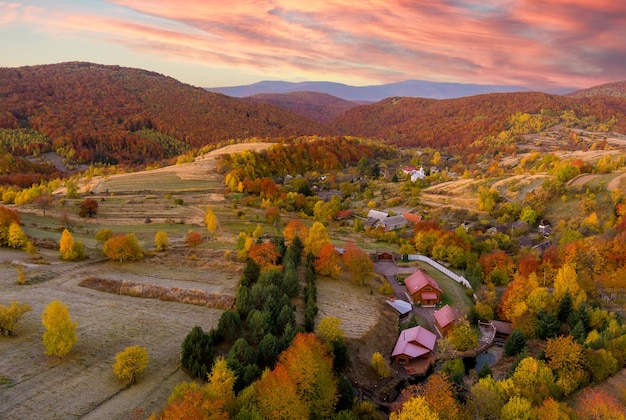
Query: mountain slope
[(112, 114), (411, 88), (459, 122), (610, 89), (315, 106)]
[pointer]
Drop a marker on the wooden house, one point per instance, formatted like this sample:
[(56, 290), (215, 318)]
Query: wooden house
[(444, 320), (414, 346), (423, 289)]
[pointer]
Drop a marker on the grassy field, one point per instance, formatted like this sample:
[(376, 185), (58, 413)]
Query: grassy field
[(31, 384)]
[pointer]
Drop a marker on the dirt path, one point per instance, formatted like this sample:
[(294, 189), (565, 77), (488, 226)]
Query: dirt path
[(615, 182)]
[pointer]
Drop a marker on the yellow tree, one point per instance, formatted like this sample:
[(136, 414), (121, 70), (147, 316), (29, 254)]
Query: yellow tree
[(161, 240), (380, 365), (534, 380), (11, 315), (329, 330), (567, 281), (17, 237), (277, 396), (130, 362), (517, 408), (316, 239), (123, 248), (310, 367), (565, 358), (220, 386), (415, 408), (463, 337), (70, 250), (210, 221), (60, 334)]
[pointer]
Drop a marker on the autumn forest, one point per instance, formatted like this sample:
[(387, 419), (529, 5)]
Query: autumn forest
[(227, 258)]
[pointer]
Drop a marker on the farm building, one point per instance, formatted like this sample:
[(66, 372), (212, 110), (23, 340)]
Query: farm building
[(444, 320), (413, 350), (423, 289), (402, 307), (391, 223)]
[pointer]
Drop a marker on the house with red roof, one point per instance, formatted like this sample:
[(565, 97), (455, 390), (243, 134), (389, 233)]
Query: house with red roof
[(423, 289), (444, 320), (414, 349)]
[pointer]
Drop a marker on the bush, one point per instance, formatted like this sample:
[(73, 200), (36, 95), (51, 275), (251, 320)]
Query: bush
[(380, 365)]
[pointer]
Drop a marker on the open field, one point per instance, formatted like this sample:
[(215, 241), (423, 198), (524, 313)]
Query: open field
[(82, 384)]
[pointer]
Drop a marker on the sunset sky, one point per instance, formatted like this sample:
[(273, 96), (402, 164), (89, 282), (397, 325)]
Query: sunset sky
[(540, 44)]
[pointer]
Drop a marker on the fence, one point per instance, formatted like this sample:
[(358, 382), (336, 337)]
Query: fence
[(459, 279)]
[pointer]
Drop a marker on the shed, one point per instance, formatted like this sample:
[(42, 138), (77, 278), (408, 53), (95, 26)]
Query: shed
[(444, 320)]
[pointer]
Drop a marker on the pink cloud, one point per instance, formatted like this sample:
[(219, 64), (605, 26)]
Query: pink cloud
[(529, 42)]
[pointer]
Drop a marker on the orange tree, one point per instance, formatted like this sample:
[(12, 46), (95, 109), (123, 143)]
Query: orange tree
[(358, 263), (123, 248)]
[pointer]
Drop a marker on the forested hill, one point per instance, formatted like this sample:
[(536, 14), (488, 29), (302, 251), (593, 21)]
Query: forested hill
[(315, 106), (112, 114), (609, 89), (458, 122)]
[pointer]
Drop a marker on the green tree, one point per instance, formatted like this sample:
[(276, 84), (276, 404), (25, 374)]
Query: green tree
[(197, 352), (103, 235), (455, 370), (60, 334), (130, 362), (515, 344)]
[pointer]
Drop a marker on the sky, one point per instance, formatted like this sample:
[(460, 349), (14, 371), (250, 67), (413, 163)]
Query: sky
[(545, 45)]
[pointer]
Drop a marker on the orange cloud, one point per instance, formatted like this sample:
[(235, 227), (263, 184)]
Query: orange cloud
[(528, 42)]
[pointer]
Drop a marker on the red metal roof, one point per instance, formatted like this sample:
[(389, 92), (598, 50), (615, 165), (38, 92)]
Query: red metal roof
[(418, 280), (445, 316), (429, 296), (415, 342)]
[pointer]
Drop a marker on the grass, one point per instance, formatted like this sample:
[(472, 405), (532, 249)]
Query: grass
[(454, 294)]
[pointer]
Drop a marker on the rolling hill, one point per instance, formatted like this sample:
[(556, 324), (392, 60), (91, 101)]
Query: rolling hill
[(111, 114), (373, 93), (423, 122), (319, 107), (610, 89)]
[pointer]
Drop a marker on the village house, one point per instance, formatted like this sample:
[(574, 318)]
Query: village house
[(423, 289), (391, 223), (413, 350), (444, 320)]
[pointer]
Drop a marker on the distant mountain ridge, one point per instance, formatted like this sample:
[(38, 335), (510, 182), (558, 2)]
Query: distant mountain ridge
[(320, 107), (373, 93)]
